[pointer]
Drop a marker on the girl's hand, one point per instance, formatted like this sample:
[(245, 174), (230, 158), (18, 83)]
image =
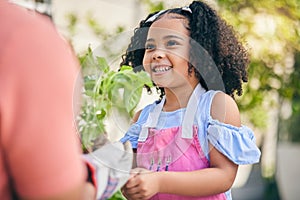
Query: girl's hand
[(143, 184)]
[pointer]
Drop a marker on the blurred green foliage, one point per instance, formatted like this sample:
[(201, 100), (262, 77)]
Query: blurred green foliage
[(271, 29), (292, 124), (153, 6)]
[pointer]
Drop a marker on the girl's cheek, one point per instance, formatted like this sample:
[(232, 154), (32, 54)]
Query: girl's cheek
[(146, 65), (147, 69)]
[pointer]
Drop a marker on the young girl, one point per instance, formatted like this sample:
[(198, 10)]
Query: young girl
[(189, 143)]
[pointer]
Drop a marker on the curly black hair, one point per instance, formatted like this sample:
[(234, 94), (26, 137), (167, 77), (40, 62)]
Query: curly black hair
[(217, 56)]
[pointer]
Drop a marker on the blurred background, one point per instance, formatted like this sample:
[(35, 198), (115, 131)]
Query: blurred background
[(271, 101)]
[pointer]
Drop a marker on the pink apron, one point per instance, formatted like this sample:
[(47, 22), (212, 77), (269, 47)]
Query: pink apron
[(175, 148)]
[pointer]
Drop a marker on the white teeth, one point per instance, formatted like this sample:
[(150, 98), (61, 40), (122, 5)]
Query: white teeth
[(161, 69)]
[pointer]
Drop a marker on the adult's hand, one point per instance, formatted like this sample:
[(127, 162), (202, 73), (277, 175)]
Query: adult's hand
[(112, 163)]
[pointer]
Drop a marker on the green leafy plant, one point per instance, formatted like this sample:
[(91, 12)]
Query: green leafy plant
[(103, 90)]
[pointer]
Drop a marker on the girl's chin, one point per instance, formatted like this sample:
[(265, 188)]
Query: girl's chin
[(161, 84), (158, 84)]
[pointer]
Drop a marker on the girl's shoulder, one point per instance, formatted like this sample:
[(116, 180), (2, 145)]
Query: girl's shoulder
[(218, 105), (225, 109)]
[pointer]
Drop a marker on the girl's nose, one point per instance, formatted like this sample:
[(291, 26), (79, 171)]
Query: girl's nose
[(158, 54)]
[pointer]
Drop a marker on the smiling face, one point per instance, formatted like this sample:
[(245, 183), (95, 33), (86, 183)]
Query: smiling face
[(167, 52)]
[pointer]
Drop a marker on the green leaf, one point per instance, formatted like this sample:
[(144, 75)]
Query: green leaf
[(101, 114), (103, 64), (131, 98), (89, 83), (125, 67), (117, 196), (89, 93)]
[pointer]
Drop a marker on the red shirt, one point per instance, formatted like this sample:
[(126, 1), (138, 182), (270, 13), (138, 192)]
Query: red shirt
[(39, 146)]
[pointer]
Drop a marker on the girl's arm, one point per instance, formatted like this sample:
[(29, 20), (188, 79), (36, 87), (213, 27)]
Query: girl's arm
[(216, 179)]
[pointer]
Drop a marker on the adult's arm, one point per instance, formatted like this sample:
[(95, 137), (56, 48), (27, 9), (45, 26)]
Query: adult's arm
[(38, 77)]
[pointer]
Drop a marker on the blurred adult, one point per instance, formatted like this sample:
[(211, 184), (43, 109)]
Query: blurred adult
[(40, 155)]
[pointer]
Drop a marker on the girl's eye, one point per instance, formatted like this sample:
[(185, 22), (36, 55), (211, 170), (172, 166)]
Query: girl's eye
[(149, 46), (171, 43)]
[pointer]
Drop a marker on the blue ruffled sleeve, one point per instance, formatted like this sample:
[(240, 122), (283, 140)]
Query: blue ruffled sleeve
[(134, 130), (132, 135), (236, 143)]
